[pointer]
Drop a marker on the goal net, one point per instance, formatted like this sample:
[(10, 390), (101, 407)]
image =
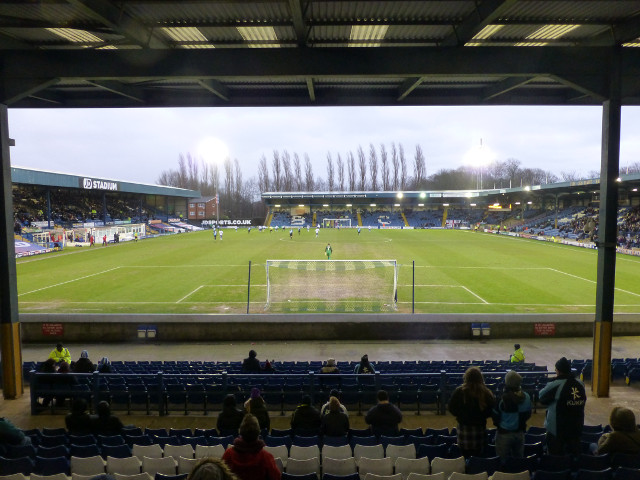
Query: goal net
[(331, 285), (336, 222)]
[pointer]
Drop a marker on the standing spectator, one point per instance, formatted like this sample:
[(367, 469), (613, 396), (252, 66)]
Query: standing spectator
[(257, 407), (335, 422), (247, 457), (472, 403), (78, 422), (510, 417), (625, 437), (384, 417), (230, 417), (251, 364), (565, 399), (12, 435), (210, 468), (60, 354), (83, 365), (364, 366), (518, 355), (104, 423), (305, 416)]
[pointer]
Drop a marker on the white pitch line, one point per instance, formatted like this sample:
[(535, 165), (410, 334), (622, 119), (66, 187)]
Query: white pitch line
[(593, 281), (69, 281), (183, 266), (448, 267), (474, 294), (190, 293)]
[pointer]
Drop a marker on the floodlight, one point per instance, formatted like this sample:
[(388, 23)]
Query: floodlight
[(399, 195), (372, 205), (277, 205), (423, 195), (445, 204), (325, 204), (300, 205)]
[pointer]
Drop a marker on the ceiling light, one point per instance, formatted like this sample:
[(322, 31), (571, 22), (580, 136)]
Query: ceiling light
[(445, 204), (472, 204), (486, 32), (421, 204), (551, 32), (372, 205), (259, 34), (301, 205), (349, 205), (185, 34), (362, 35), (277, 205), (325, 204), (75, 36), (396, 204)]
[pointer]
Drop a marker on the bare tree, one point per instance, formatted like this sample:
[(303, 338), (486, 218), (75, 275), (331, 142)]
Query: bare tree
[(263, 174), (228, 184), (351, 171), (419, 168), (403, 167), (297, 173), (373, 167), (215, 178), (308, 174), (395, 161), (276, 168), (512, 169), (287, 174), (340, 171), (571, 176), (237, 193), (330, 172), (630, 168), (362, 166), (183, 173), (384, 164)]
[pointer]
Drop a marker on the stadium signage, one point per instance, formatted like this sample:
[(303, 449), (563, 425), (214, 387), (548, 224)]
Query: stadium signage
[(226, 223), (97, 184)]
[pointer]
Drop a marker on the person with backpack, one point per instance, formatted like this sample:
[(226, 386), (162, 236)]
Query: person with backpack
[(565, 398)]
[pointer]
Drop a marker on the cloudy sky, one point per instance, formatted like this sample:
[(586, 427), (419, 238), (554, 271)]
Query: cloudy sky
[(137, 144)]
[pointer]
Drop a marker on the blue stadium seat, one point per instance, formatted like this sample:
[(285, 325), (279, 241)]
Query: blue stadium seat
[(482, 464), (51, 466)]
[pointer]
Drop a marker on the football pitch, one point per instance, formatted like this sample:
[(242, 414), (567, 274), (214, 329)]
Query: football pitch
[(455, 272)]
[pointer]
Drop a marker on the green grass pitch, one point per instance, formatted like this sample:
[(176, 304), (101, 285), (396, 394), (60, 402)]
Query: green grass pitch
[(455, 272)]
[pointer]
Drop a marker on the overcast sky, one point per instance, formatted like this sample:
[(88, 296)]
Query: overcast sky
[(137, 144)]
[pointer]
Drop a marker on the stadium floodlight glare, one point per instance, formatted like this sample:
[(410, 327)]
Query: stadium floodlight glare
[(277, 205), (325, 204), (634, 189), (396, 204), (517, 203), (529, 202), (421, 204), (300, 205), (472, 204), (618, 179), (372, 204), (445, 204), (331, 285), (400, 195), (423, 195), (349, 205), (527, 188)]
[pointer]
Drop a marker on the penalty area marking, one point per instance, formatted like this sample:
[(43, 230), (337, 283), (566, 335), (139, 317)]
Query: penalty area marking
[(203, 286), (593, 281), (453, 286), (69, 281)]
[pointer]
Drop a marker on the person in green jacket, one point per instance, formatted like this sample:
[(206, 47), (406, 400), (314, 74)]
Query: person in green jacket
[(518, 355), (328, 250), (60, 354)]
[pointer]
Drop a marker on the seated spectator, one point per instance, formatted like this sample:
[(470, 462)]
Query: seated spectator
[(12, 435), (518, 355), (364, 366), (104, 366), (251, 364), (210, 468), (330, 367), (257, 407), (325, 408), (384, 417), (335, 422), (78, 422), (231, 416), (305, 416), (625, 437), (83, 365), (60, 354), (104, 423), (247, 457)]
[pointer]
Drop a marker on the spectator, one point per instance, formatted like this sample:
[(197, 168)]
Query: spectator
[(257, 407), (210, 468), (78, 422), (565, 399), (472, 403), (104, 423), (330, 367), (518, 354), (104, 366), (335, 422), (247, 457), (230, 417), (325, 408), (83, 365), (60, 354), (384, 417), (510, 417), (305, 416), (625, 437), (251, 364), (364, 366), (12, 435)]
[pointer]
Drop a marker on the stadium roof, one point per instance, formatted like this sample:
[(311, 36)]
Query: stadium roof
[(29, 176), (146, 53)]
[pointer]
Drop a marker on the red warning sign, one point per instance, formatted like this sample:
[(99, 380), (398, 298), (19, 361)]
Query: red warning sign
[(52, 329), (544, 329)]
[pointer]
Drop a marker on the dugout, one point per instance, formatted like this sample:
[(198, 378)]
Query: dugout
[(485, 52)]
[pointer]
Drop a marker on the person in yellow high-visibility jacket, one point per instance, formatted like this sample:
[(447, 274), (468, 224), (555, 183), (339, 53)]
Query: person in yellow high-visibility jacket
[(60, 354), (518, 355)]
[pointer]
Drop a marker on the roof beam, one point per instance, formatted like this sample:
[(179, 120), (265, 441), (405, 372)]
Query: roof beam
[(298, 22), (119, 88), (14, 90), (216, 88), (617, 34), (588, 85), (408, 86), (505, 86), (121, 22), (311, 89), (485, 13)]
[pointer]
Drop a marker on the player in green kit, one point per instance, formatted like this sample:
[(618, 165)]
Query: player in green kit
[(328, 250)]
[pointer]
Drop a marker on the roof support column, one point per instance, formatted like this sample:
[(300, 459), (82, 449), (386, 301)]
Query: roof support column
[(609, 171), (9, 323)]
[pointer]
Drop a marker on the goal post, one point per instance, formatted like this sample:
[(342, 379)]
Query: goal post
[(331, 285), (336, 222)]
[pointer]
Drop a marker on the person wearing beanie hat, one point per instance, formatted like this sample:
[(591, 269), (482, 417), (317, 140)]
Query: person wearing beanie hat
[(210, 468), (364, 366), (247, 458), (518, 355), (565, 398), (230, 417), (625, 437), (305, 418), (83, 364), (251, 364), (510, 417)]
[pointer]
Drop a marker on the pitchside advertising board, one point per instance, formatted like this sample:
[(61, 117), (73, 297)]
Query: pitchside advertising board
[(227, 223), (98, 184)]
